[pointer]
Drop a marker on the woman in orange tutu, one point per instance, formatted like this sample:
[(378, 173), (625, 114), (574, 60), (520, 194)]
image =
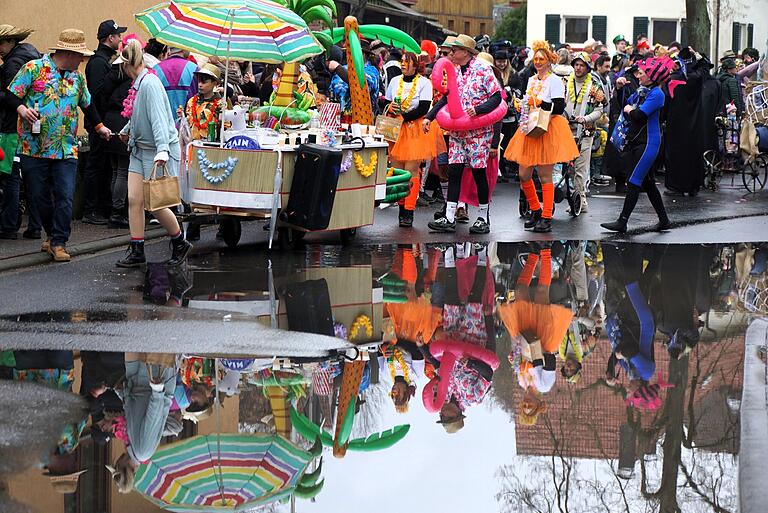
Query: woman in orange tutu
[(547, 92), (410, 97), (541, 324)]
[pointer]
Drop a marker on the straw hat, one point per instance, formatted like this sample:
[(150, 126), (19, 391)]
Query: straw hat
[(466, 42), (11, 32), (488, 59), (67, 483), (72, 40), (210, 70), (452, 426), (448, 42)]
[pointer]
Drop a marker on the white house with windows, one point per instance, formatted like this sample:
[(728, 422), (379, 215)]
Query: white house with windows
[(742, 23)]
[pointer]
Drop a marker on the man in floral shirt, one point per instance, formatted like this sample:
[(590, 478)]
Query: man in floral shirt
[(480, 93), (49, 92), (584, 101)]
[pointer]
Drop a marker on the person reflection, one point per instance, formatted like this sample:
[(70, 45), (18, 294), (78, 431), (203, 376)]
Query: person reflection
[(463, 349), (413, 319), (537, 328), (630, 322), (147, 396)]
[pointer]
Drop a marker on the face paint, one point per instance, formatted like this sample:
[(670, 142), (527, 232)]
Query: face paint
[(539, 60)]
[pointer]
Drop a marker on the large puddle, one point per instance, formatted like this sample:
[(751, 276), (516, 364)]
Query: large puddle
[(575, 376)]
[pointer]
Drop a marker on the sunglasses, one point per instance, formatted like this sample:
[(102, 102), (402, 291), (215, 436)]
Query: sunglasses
[(445, 52)]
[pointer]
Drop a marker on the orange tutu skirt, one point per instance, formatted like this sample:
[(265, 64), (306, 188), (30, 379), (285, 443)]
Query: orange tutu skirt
[(548, 322), (555, 146), (413, 144), (416, 319)]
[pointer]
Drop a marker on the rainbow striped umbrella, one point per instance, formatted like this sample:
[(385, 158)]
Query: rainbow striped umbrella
[(243, 30), (226, 472)]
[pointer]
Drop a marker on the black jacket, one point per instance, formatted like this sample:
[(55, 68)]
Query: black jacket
[(18, 57), (114, 90), (96, 71)]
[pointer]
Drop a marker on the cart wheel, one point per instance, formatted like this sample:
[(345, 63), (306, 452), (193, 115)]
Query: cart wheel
[(712, 170), (347, 236), (755, 174), (288, 238), (575, 203), (231, 230)]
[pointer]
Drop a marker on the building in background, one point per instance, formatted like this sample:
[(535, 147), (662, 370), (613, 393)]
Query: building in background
[(739, 25), (472, 17)]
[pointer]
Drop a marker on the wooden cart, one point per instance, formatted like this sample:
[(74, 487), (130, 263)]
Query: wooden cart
[(247, 193)]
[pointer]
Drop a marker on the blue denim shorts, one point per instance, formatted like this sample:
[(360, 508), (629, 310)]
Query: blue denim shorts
[(142, 162)]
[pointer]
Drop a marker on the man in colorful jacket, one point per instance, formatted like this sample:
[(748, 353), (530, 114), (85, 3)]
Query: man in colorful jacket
[(584, 101), (178, 77), (49, 92)]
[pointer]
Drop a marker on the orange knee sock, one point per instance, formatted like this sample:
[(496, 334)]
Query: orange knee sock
[(548, 195), (545, 274), (410, 200), (529, 189), (527, 274)]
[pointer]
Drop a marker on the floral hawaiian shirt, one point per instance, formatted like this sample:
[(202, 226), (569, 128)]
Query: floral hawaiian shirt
[(58, 95), (476, 86), (58, 379), (467, 386)]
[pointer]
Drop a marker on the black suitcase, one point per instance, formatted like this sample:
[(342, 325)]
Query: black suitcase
[(308, 307), (313, 189)]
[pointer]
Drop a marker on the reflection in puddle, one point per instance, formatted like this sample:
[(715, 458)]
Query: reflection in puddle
[(521, 375)]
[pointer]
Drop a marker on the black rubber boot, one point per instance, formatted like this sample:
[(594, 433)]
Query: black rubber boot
[(134, 256), (180, 249), (406, 219), (620, 225), (544, 225), (533, 219)]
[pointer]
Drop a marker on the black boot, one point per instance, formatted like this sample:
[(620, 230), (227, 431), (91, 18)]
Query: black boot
[(620, 225), (630, 201), (658, 205), (181, 248), (134, 256), (406, 219), (543, 225), (401, 215), (533, 219)]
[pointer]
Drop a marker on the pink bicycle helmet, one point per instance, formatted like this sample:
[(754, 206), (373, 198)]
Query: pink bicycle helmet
[(658, 69)]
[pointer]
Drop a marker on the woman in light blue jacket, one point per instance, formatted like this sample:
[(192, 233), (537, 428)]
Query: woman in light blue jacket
[(152, 140)]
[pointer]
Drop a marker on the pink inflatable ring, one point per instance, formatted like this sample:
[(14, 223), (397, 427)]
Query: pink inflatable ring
[(453, 117), (435, 393)]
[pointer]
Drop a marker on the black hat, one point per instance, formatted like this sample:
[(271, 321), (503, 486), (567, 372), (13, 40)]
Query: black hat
[(109, 27), (501, 54)]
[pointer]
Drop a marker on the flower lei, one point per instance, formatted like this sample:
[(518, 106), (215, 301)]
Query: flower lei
[(397, 356), (346, 163), (405, 103), (362, 321), (208, 118), (206, 166), (572, 88), (131, 98), (531, 99), (365, 170)]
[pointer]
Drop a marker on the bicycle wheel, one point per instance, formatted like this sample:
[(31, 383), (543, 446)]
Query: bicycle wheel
[(755, 174)]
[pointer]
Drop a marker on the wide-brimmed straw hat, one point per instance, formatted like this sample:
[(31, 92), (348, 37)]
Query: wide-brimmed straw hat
[(67, 483), (453, 426), (72, 40), (448, 42), (465, 42), (11, 32), (209, 70)]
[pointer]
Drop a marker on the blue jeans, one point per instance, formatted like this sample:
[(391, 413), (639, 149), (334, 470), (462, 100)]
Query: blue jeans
[(46, 177)]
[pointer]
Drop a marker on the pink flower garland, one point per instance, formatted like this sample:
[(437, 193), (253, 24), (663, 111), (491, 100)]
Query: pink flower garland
[(131, 98)]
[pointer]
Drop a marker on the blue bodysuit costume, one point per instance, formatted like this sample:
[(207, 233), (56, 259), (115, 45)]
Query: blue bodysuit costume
[(641, 152)]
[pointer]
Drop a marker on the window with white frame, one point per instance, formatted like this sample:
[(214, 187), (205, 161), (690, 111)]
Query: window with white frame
[(664, 31), (576, 30)]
